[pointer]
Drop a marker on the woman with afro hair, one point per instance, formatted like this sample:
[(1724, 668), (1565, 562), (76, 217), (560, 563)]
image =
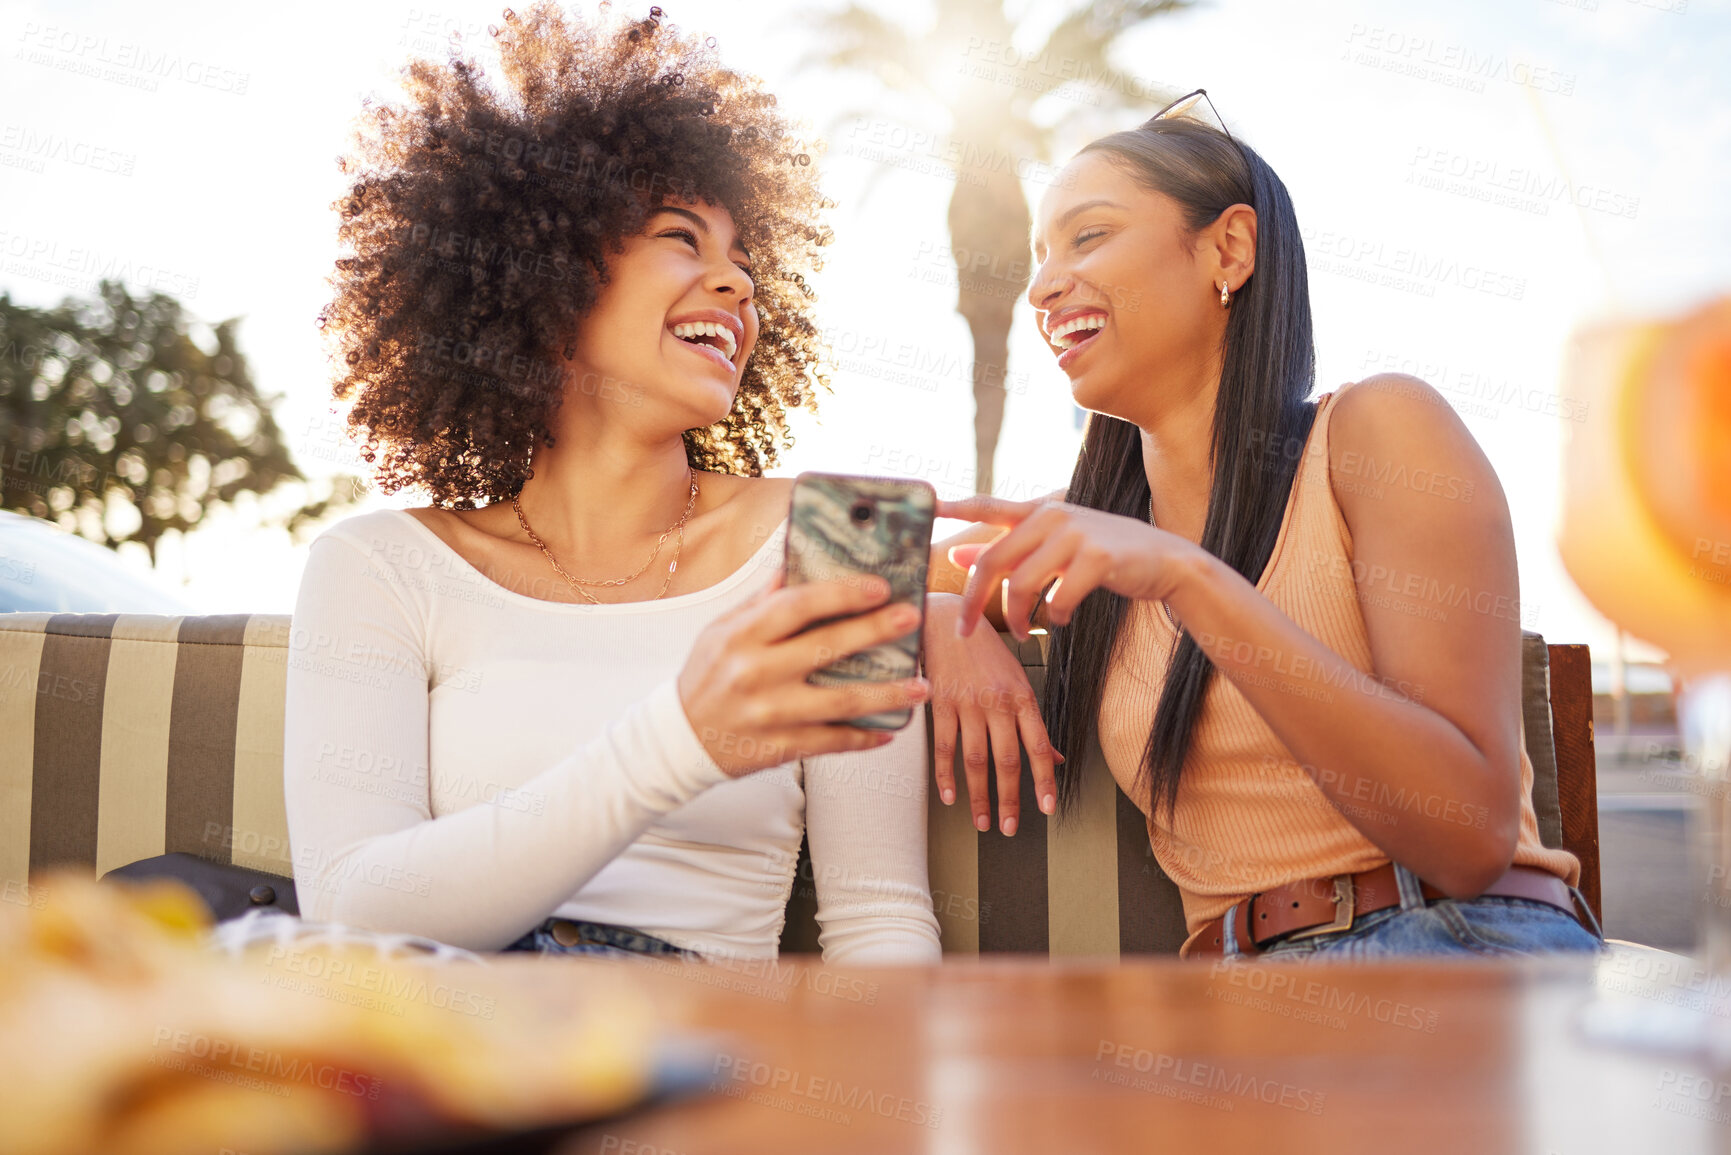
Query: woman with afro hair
[(563, 707)]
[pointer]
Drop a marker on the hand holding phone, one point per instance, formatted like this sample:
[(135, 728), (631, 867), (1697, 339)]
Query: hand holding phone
[(745, 687), (842, 529)]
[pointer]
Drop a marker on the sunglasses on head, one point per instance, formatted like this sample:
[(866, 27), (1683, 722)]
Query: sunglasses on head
[(1184, 104)]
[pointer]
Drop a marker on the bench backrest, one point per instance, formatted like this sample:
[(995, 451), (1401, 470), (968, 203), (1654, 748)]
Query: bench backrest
[(125, 736), (1086, 884)]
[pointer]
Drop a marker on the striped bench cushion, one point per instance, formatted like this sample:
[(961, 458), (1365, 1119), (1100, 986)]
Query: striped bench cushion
[(127, 736), (1086, 884)]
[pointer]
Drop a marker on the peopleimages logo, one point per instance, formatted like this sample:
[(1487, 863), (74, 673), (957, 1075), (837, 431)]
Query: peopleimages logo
[(79, 267), (1522, 187), (133, 65), (805, 1094), (1450, 64), (1175, 1077), (175, 1048), (1405, 268), (39, 147), (1285, 987), (368, 983)]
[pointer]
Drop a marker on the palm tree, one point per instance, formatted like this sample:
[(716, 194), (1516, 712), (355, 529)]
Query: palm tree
[(1002, 109)]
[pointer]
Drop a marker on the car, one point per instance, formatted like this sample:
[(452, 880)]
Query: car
[(45, 568)]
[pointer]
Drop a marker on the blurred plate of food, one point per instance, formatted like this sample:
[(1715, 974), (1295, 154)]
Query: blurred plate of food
[(122, 1031)]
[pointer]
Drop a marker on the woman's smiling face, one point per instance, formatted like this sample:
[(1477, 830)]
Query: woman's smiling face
[(675, 322), (1123, 290)]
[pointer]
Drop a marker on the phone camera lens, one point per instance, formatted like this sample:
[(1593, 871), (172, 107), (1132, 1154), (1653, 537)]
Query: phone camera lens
[(862, 513)]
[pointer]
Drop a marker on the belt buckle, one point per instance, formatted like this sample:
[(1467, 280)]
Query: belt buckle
[(1343, 911)]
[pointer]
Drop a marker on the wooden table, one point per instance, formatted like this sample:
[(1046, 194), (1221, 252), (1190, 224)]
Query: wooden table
[(1008, 1055)]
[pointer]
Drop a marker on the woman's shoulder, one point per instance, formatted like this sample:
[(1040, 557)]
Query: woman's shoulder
[(392, 541), (1394, 439), (1385, 402), (1392, 415), (365, 562), (373, 530)]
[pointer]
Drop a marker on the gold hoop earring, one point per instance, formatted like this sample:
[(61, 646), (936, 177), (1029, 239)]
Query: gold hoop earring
[(1225, 295)]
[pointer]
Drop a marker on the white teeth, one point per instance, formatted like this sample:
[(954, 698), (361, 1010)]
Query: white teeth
[(689, 329), (1060, 335)]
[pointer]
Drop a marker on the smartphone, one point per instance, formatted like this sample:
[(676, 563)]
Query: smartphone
[(841, 528)]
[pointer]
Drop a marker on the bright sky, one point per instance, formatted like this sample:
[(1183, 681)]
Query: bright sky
[(1446, 144)]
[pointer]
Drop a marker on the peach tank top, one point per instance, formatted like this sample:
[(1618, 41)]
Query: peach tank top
[(1248, 817)]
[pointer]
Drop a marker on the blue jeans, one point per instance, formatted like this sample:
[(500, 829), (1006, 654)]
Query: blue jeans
[(1488, 926), (597, 938)]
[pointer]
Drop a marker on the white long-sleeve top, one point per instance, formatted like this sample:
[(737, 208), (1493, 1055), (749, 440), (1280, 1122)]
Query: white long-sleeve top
[(463, 761)]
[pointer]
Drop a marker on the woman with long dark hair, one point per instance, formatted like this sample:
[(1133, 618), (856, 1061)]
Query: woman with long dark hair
[(1293, 624)]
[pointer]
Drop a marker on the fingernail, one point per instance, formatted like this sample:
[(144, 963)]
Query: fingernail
[(983, 823), (1009, 827), (1046, 803), (949, 796), (905, 616), (1058, 756), (919, 691)]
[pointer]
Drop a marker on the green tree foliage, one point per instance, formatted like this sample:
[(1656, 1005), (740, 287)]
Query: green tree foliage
[(119, 425)]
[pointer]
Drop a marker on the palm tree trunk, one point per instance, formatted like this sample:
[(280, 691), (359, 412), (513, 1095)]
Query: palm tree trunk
[(991, 352), (989, 222)]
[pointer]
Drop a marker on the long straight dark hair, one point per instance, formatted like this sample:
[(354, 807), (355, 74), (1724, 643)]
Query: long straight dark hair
[(1261, 421)]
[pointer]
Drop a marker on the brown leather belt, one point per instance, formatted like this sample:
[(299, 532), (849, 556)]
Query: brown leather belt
[(1316, 906)]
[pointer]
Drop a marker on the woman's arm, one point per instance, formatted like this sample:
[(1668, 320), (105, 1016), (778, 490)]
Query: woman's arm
[(1432, 738), (865, 819), (368, 851), (1432, 733), (981, 696), (944, 576)]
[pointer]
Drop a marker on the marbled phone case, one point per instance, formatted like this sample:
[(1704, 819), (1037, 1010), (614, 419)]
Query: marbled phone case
[(841, 528)]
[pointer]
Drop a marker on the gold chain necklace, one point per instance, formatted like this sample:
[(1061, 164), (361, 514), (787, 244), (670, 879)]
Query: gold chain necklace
[(1175, 626), (577, 584)]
